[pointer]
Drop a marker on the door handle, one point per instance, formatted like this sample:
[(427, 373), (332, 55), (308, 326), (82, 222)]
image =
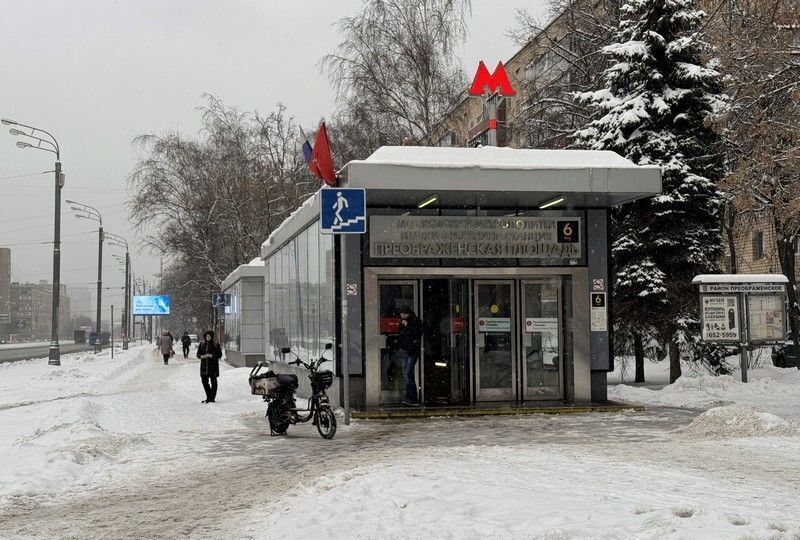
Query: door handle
[(479, 339)]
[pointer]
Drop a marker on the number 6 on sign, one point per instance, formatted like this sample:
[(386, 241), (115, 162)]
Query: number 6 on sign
[(567, 231)]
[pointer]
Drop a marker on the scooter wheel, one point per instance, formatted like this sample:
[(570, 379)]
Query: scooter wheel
[(326, 422), (277, 424)]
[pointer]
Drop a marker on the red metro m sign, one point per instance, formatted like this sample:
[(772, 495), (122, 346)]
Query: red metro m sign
[(492, 81)]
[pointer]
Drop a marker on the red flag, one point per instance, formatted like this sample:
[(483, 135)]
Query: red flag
[(321, 162)]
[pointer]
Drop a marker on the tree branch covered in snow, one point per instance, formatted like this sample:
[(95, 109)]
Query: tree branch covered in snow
[(660, 104)]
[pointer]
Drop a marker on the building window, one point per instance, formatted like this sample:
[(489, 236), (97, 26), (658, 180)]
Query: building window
[(301, 295), (758, 245)]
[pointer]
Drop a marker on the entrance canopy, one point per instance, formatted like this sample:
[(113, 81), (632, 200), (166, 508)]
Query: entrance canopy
[(500, 177)]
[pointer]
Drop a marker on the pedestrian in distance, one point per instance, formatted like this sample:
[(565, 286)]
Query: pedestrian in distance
[(186, 341), (165, 346), (408, 341), (209, 352)]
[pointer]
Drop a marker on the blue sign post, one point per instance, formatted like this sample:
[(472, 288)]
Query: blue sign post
[(343, 211), (220, 299)]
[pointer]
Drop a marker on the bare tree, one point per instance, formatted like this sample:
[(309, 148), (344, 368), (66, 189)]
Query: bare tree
[(762, 56), (210, 202), (572, 37), (396, 70)]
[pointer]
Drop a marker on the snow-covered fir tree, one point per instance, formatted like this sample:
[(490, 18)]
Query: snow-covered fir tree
[(658, 108)]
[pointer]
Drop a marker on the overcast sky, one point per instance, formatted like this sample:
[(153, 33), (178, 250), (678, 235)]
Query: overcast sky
[(96, 73)]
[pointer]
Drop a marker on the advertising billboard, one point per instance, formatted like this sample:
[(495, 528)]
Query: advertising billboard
[(151, 305)]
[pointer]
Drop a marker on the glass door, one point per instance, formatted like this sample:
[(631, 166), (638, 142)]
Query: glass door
[(495, 341), (445, 352), (541, 339), (393, 295)]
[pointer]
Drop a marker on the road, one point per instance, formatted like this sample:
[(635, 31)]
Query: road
[(37, 350)]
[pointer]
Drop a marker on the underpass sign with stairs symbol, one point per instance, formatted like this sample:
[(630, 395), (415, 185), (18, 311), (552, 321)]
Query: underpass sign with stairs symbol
[(343, 211)]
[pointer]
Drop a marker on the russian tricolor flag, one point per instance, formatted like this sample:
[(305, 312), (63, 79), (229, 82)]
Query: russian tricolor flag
[(318, 157), (306, 147)]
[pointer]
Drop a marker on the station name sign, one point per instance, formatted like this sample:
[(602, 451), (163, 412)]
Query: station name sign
[(468, 237), (742, 288)]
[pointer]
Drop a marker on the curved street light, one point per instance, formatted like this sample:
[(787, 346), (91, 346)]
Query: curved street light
[(49, 144), (119, 241), (85, 211)]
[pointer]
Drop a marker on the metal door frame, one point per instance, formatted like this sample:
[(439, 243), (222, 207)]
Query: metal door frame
[(417, 307), (558, 281), (577, 379), (495, 394)]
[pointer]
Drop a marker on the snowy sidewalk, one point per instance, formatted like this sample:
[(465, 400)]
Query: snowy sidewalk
[(123, 448)]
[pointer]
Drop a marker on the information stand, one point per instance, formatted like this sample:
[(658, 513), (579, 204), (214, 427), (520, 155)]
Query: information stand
[(746, 309)]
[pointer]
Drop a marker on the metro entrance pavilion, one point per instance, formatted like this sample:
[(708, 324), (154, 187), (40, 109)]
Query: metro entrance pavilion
[(503, 253)]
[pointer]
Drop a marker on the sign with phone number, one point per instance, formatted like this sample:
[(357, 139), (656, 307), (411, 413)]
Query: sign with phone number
[(720, 318)]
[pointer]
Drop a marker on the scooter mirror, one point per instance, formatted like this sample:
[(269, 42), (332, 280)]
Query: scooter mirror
[(286, 350), (328, 346)]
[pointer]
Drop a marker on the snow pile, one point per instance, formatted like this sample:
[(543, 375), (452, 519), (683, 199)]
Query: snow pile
[(736, 421), (770, 389), (56, 429)]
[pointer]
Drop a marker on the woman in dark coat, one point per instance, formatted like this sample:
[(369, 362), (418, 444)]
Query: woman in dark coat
[(209, 353)]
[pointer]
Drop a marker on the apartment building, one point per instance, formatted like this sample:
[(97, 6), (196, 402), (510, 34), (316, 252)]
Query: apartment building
[(31, 311), (563, 58)]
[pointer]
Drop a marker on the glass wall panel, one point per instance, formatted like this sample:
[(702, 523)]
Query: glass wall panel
[(232, 317), (267, 310), (282, 332), (300, 296), (305, 332), (292, 286), (327, 309), (313, 289)]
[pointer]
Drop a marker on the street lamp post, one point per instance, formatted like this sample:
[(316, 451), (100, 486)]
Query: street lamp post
[(51, 145), (84, 211), (117, 240)]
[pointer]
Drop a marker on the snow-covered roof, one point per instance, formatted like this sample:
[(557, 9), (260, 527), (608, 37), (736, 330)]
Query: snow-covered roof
[(250, 269), (488, 177), (494, 157), (500, 176), (739, 278), (298, 220)]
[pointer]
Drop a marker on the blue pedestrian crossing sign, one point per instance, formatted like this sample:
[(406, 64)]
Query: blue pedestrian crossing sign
[(220, 299), (343, 211)]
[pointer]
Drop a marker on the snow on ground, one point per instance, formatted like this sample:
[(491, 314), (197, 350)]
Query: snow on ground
[(528, 492), (732, 472), (100, 448), (770, 389), (85, 422)]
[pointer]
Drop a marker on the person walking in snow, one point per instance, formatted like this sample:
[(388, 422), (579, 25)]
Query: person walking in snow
[(165, 346), (209, 352), (186, 341)]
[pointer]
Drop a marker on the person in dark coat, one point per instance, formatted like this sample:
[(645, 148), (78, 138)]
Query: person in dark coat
[(409, 340), (186, 341), (209, 352)]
